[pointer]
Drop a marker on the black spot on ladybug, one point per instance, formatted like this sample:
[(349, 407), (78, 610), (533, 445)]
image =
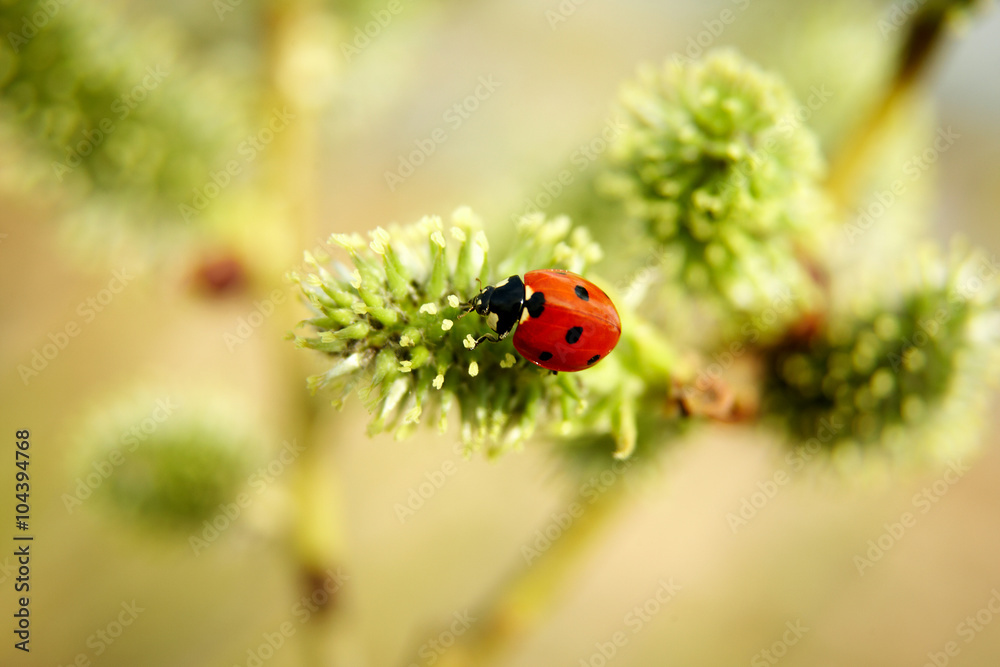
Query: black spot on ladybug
[(574, 334), (536, 304), (545, 356), (581, 292), (593, 360)]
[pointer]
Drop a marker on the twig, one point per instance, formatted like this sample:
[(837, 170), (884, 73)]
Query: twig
[(926, 34), (526, 598)]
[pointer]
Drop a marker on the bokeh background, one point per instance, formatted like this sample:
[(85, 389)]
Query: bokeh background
[(164, 336)]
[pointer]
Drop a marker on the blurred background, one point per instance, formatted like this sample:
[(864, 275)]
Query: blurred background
[(297, 115)]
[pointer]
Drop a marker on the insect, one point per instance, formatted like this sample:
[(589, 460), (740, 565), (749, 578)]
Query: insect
[(564, 322)]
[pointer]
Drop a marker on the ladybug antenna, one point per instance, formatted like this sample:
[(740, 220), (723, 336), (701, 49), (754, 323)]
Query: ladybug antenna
[(468, 306)]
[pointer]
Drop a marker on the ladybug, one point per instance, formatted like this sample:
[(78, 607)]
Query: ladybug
[(564, 322)]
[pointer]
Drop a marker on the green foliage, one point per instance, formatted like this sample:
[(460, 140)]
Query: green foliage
[(715, 166), (111, 116), (712, 200)]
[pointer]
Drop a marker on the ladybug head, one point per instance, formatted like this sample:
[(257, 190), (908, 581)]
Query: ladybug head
[(481, 302), (501, 304)]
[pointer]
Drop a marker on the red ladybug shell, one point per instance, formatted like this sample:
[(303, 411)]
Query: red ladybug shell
[(578, 325)]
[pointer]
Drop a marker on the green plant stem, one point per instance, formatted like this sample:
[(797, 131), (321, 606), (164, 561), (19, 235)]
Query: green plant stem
[(528, 596), (314, 539)]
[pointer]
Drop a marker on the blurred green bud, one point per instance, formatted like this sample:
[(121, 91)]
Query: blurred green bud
[(906, 373), (717, 164), (161, 462)]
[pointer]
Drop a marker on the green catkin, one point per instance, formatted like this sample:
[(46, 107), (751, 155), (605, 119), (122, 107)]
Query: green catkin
[(406, 352), (899, 374), (715, 166)]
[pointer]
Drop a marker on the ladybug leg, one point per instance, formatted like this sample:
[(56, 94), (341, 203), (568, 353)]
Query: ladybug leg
[(493, 338), (466, 308)]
